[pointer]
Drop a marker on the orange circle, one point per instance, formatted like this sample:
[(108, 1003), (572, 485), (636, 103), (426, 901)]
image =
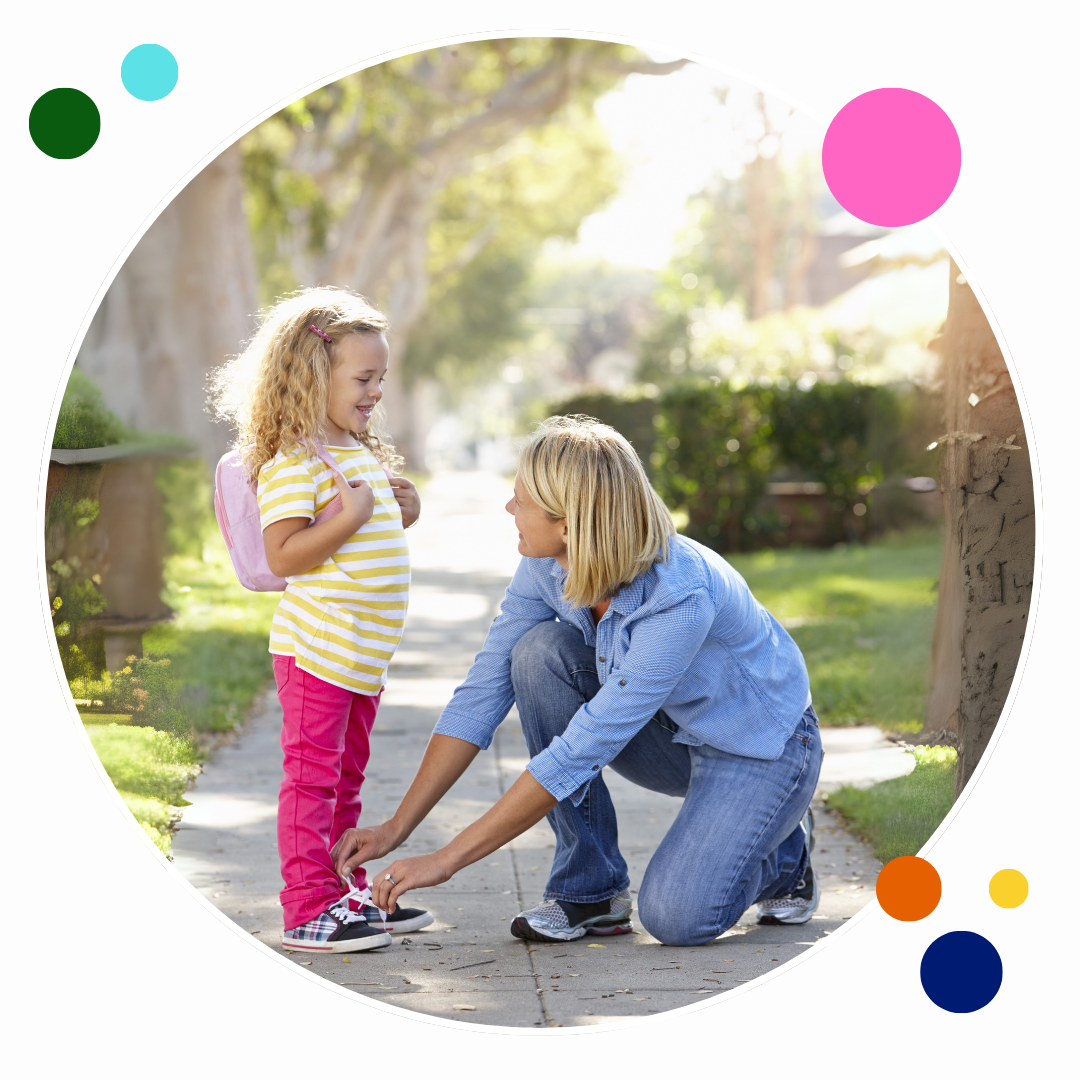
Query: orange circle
[(908, 888)]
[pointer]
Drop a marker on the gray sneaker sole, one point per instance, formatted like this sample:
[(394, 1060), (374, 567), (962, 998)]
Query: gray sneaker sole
[(602, 925)]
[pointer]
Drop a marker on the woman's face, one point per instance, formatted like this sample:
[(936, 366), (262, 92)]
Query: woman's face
[(538, 536)]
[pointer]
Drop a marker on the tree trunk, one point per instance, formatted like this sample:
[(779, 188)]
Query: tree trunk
[(989, 557), (184, 301)]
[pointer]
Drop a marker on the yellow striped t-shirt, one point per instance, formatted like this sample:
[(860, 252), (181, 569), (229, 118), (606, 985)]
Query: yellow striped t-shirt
[(342, 621)]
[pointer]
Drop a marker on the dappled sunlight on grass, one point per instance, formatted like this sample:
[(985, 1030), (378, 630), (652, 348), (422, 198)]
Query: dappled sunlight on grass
[(151, 770), (218, 640), (218, 661), (863, 617), (898, 816)]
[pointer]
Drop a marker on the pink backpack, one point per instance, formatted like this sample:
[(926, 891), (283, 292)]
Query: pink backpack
[(238, 518)]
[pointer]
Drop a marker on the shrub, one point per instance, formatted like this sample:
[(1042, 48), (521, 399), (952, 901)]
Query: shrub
[(84, 421), (73, 590), (824, 434), (719, 448), (149, 690), (712, 447), (631, 413), (715, 453)]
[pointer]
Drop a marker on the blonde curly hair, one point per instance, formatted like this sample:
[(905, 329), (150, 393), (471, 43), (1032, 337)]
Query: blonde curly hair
[(277, 390)]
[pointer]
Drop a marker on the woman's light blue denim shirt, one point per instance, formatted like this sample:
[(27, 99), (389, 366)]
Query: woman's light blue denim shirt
[(687, 636)]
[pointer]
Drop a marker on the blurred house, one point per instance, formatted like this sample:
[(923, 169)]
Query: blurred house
[(827, 275)]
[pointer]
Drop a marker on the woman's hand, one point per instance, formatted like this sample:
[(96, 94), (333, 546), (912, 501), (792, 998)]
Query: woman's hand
[(408, 498), (357, 846), (420, 872), (519, 809)]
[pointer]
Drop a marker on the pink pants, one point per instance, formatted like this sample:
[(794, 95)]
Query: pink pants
[(325, 737)]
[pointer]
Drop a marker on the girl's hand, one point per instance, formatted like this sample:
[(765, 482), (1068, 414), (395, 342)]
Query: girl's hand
[(408, 499), (417, 873), (358, 502), (358, 846)]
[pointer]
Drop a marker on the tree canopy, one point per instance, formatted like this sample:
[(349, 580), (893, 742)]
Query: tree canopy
[(392, 181)]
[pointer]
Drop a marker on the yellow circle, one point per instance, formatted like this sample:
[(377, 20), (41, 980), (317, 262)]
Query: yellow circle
[(1008, 888)]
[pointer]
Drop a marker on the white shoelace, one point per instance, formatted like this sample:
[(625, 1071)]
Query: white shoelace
[(363, 899)]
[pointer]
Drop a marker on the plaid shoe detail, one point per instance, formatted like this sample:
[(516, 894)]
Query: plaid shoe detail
[(318, 929), (336, 930)]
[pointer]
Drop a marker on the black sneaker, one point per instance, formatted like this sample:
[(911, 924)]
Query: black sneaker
[(336, 930), (559, 920)]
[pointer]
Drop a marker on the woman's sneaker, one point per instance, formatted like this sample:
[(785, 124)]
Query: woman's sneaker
[(795, 908), (798, 906), (559, 920), (403, 921), (336, 930)]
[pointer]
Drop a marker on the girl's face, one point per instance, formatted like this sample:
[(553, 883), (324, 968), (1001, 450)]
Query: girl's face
[(538, 536), (358, 366)]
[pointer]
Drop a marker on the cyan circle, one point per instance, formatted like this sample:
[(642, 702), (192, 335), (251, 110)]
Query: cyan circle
[(149, 72), (961, 972)]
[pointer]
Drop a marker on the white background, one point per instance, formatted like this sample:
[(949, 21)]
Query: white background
[(112, 962)]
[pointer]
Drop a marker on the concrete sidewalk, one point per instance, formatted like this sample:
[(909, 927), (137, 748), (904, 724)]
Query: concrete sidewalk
[(467, 965)]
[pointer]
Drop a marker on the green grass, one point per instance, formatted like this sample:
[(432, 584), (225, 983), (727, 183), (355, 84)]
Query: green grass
[(218, 641), (217, 645), (898, 816), (151, 770), (157, 818), (863, 616)]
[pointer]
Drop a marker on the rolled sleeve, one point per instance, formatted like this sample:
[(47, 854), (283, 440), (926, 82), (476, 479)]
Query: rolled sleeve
[(661, 650)]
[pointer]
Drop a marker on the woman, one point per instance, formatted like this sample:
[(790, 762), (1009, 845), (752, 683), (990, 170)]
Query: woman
[(624, 645)]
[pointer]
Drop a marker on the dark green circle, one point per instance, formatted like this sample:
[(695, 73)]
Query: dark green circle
[(64, 123)]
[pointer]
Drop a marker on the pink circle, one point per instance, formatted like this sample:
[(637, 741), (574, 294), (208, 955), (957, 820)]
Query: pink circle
[(891, 157)]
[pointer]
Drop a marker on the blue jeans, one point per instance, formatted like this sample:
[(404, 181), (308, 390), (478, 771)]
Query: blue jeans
[(737, 839)]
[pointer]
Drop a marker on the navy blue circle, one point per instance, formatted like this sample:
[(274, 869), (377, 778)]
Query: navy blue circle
[(961, 971)]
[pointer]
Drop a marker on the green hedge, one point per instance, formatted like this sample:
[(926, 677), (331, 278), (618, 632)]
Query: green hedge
[(712, 448), (84, 421), (634, 414)]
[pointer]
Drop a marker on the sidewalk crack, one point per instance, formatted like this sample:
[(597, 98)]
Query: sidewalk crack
[(545, 1016)]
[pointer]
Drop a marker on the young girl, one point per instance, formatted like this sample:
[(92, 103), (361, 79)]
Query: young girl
[(302, 396)]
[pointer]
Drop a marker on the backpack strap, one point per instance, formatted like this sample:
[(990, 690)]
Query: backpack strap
[(328, 459)]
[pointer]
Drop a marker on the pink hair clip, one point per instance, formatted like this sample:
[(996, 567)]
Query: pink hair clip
[(322, 333)]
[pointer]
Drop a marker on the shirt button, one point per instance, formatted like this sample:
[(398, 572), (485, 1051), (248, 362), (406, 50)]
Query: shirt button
[(602, 659), (622, 682), (596, 768)]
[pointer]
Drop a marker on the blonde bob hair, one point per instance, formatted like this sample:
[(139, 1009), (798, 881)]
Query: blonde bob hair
[(277, 390), (575, 467)]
